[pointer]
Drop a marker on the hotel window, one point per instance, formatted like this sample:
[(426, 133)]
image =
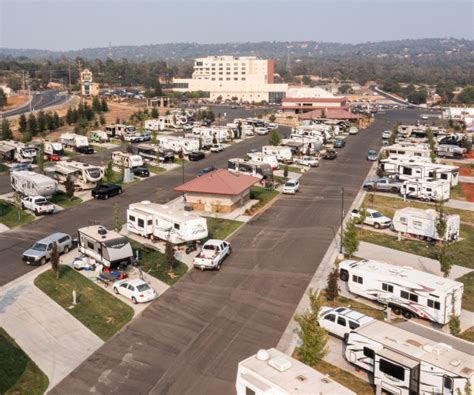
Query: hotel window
[(236, 79), (243, 79), (228, 78), (213, 79), (220, 78)]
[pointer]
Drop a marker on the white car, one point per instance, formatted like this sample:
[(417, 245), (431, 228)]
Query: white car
[(261, 131), (386, 134), (187, 126), (291, 187), (217, 148), (137, 290), (307, 161), (248, 132), (212, 254), (341, 320), (353, 130), (373, 218)]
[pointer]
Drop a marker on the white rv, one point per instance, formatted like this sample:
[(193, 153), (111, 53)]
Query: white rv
[(283, 154), (126, 159), (178, 144), (220, 133), (403, 149), (405, 290), (426, 190), (392, 164), (73, 140), (151, 152), (406, 363), (422, 223), (85, 176), (154, 124), (120, 131), (256, 169), (153, 220), (450, 151), (272, 372), (99, 136), (53, 148), (29, 183), (17, 151), (260, 157), (104, 246), (305, 143)]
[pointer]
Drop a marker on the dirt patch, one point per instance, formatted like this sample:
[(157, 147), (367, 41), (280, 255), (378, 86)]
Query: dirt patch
[(466, 171), (15, 101), (468, 190), (470, 155)]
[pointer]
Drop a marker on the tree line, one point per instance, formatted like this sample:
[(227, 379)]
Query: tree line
[(85, 115), (36, 124)]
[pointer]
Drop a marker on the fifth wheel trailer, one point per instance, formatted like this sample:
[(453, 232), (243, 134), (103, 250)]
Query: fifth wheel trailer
[(29, 183), (405, 363), (405, 290)]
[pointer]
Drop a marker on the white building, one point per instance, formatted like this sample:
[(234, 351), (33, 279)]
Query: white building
[(237, 78)]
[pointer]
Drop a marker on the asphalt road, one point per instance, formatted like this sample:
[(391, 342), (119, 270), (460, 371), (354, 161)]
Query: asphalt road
[(40, 101), (192, 338)]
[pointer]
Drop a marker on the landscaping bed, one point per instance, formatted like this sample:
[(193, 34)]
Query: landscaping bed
[(154, 169), (61, 199), (101, 312), (4, 169), (221, 228), (264, 196), (468, 295), (9, 215), (468, 334), (292, 169), (18, 373)]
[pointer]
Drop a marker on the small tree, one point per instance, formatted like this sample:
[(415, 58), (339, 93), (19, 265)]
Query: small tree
[(441, 223), (22, 124), (362, 215), (214, 139), (40, 158), (70, 187), (6, 131), (454, 323), (285, 171), (117, 221), (41, 121), (239, 129), (445, 260), (468, 388), (332, 287), (102, 120), (272, 118), (17, 200), (200, 143), (350, 240), (103, 105), (274, 138), (313, 337), (32, 124), (109, 171), (154, 112), (55, 260), (169, 252)]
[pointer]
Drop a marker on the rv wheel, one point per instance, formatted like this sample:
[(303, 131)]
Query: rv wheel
[(407, 315), (396, 310), (116, 290), (394, 190), (344, 276), (429, 239)]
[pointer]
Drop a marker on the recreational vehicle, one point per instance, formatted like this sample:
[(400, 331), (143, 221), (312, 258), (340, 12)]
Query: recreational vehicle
[(272, 372), (403, 149), (283, 154), (16, 151), (53, 148), (220, 133), (304, 145), (256, 169), (406, 363), (73, 140), (178, 144), (151, 152), (422, 223), (106, 247), (161, 222), (29, 183), (99, 136), (126, 159), (391, 165), (450, 151), (83, 175), (426, 190), (120, 131), (260, 157), (405, 290)]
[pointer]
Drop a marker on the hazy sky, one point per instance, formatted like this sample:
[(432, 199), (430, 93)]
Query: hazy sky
[(72, 24)]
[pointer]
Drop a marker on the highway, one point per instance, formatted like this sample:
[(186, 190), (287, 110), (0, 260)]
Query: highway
[(40, 101)]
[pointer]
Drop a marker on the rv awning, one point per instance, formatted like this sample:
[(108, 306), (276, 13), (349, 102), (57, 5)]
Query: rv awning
[(6, 148), (396, 357)]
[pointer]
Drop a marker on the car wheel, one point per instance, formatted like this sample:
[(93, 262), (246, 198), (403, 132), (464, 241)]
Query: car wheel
[(377, 225), (396, 310), (42, 261), (407, 314), (116, 290), (394, 190), (134, 300), (36, 212), (218, 267), (106, 197), (370, 188), (66, 250)]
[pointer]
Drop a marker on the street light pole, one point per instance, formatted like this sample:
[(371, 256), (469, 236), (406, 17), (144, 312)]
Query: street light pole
[(342, 218)]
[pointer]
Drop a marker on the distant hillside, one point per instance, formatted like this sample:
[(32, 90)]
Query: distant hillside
[(176, 51)]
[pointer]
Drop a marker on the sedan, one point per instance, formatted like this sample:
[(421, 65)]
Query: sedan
[(386, 134), (195, 156), (372, 155), (137, 290), (217, 148), (106, 190), (206, 170), (141, 171)]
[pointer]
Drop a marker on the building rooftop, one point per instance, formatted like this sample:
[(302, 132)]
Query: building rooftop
[(306, 93), (167, 212), (219, 182), (331, 113)]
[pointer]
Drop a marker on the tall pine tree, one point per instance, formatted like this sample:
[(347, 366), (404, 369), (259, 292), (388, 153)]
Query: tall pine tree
[(41, 120), (23, 124), (6, 131), (32, 124)]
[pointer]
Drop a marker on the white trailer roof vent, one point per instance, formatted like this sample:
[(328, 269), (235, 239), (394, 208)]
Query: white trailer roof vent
[(280, 363), (437, 348), (262, 355), (455, 362), (145, 202)]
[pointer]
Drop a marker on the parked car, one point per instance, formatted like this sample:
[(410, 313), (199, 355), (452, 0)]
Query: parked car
[(41, 251), (140, 171), (212, 254), (137, 290), (20, 167), (262, 131), (386, 134), (342, 320), (339, 143), (187, 127), (195, 156), (144, 137), (206, 170), (384, 184), (330, 154), (373, 218), (38, 204), (85, 149), (307, 161), (372, 155), (217, 148), (53, 157), (106, 190), (291, 187), (353, 130)]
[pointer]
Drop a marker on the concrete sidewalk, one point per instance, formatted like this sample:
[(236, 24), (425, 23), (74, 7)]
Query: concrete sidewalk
[(466, 179), (51, 337)]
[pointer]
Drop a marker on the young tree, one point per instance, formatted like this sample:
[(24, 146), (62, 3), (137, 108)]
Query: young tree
[(214, 139), (70, 187), (445, 260), (154, 113), (3, 98), (454, 323), (285, 171), (41, 120), (55, 260), (239, 129), (22, 124), (109, 171), (313, 337), (50, 125), (350, 241), (117, 222), (169, 252), (104, 106), (274, 138), (96, 105), (272, 118), (17, 202), (40, 158), (32, 124), (69, 116), (6, 131), (332, 287), (441, 223), (393, 135), (58, 122), (102, 120)]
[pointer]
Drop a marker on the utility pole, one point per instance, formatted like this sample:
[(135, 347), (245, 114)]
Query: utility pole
[(342, 219), (69, 69)]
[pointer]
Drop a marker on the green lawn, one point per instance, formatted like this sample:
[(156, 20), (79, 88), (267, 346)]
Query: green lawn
[(98, 148), (221, 228), (101, 312), (116, 177), (468, 334), (468, 295), (9, 215), (154, 263), (3, 168), (61, 199), (293, 169), (71, 154), (18, 373), (263, 195), (154, 169)]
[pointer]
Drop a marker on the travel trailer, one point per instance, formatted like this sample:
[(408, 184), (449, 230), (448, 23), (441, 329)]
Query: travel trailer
[(53, 148), (221, 134), (272, 372), (283, 154), (391, 165), (178, 144), (422, 223), (73, 140), (206, 142), (11, 150), (120, 131), (406, 363), (316, 139), (106, 247), (305, 144), (28, 183), (450, 151), (260, 157), (406, 291), (83, 175), (99, 136), (256, 169), (126, 159), (156, 221), (151, 152), (426, 190), (403, 149)]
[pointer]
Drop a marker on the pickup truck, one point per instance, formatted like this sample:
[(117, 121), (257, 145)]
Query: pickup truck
[(373, 218), (212, 254), (307, 161), (383, 184), (38, 204)]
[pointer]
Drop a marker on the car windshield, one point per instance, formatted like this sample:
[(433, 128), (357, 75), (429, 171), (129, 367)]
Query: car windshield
[(372, 153), (290, 184), (377, 215), (143, 287), (39, 247)]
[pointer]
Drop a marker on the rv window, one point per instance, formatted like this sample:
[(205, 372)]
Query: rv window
[(448, 383), (176, 226), (403, 220), (353, 325), (392, 370), (411, 189), (444, 176), (404, 294), (369, 353), (90, 245), (417, 223), (249, 391), (131, 218), (414, 298), (434, 304), (330, 317), (428, 190), (357, 279), (407, 171), (387, 287), (140, 223), (341, 321), (150, 222)]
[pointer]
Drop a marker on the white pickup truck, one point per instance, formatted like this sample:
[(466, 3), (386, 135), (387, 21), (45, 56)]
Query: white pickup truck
[(38, 204), (373, 218), (212, 254)]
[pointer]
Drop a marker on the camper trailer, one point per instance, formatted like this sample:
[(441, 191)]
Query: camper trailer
[(16, 151), (28, 183), (450, 151), (422, 223), (151, 152), (156, 221), (106, 247), (406, 363), (221, 134), (178, 144), (272, 372), (73, 140), (306, 144), (53, 148), (405, 290), (283, 154), (391, 165), (426, 190), (120, 131), (260, 157), (403, 149), (99, 136), (126, 159), (83, 175), (256, 169)]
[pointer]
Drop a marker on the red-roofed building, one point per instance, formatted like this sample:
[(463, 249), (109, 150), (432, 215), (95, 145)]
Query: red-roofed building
[(330, 113), (298, 105), (218, 191)]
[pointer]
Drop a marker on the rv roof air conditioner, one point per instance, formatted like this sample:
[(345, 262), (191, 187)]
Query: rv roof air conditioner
[(280, 363)]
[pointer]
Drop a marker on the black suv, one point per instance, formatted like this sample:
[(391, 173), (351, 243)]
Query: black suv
[(195, 156), (331, 154), (141, 171), (106, 190), (85, 149)]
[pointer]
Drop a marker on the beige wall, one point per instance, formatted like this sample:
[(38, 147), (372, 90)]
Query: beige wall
[(217, 203)]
